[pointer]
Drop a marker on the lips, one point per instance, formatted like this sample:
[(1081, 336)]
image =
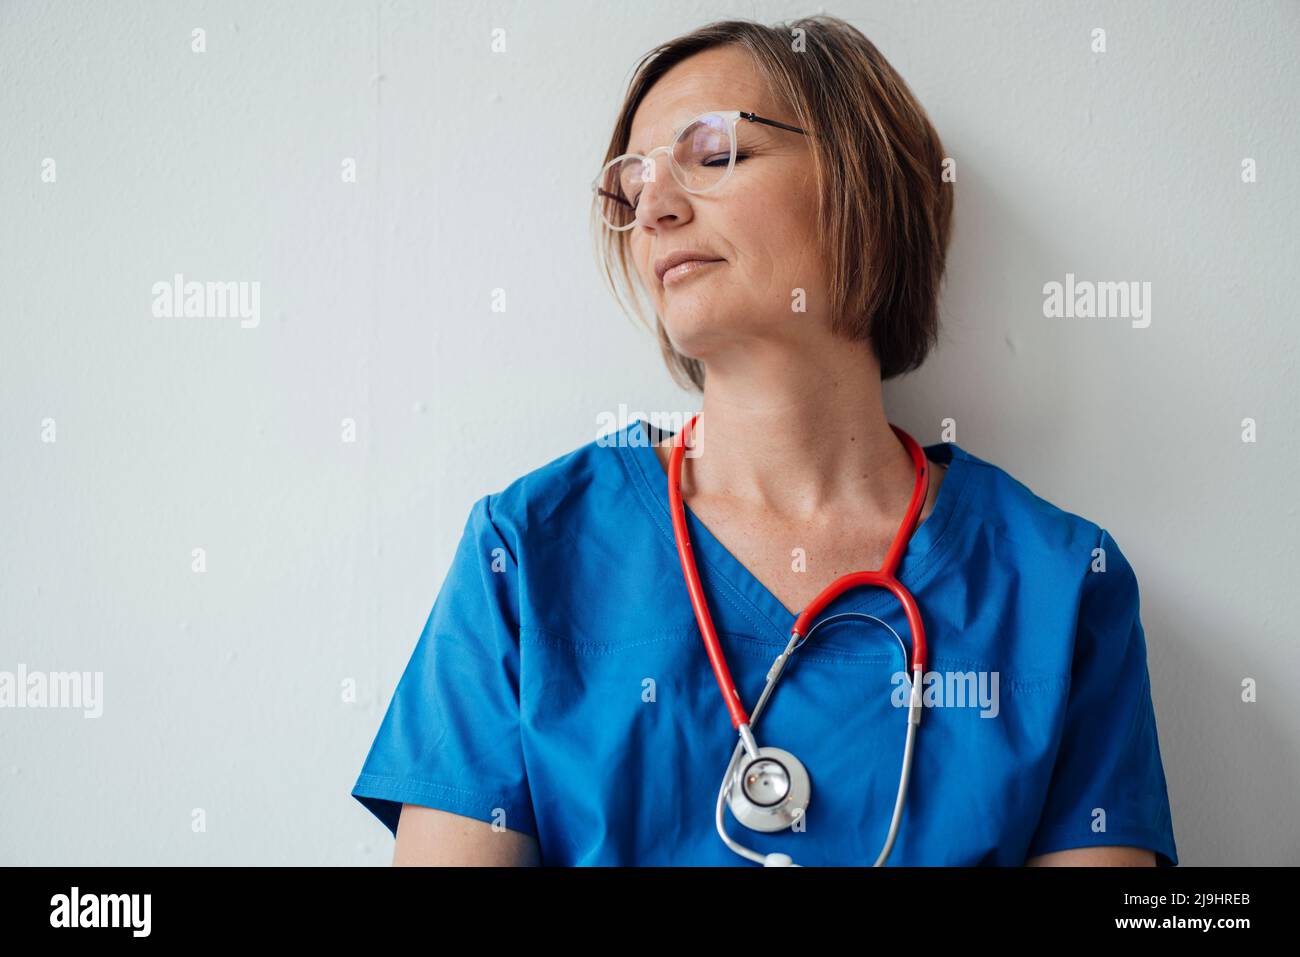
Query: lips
[(681, 257), (682, 270)]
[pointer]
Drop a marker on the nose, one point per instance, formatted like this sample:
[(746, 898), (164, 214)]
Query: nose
[(661, 194)]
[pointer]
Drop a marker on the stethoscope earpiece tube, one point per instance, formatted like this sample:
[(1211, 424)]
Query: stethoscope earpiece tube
[(682, 536), (769, 789)]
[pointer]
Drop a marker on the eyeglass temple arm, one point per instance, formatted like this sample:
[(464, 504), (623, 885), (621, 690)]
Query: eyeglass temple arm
[(754, 118)]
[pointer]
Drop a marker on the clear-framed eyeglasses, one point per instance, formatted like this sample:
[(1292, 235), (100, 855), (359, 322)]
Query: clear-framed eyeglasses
[(702, 156)]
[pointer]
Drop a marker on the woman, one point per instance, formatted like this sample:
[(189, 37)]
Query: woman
[(559, 706)]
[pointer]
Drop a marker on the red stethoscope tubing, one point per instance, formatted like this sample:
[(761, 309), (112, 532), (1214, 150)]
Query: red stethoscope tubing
[(882, 578)]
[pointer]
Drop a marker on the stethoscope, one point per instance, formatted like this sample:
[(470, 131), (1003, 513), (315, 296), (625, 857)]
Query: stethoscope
[(768, 789)]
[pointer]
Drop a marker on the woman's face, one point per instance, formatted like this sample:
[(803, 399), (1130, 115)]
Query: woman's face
[(760, 222)]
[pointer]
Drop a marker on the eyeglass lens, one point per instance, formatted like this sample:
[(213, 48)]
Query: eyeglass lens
[(701, 158)]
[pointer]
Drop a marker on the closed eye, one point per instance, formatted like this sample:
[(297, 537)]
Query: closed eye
[(722, 160)]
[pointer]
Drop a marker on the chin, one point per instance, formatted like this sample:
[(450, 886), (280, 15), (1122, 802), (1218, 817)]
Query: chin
[(695, 328)]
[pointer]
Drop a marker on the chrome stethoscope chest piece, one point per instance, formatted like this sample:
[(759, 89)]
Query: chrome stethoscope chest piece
[(769, 792)]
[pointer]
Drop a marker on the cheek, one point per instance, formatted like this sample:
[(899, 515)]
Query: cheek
[(642, 266), (775, 246)]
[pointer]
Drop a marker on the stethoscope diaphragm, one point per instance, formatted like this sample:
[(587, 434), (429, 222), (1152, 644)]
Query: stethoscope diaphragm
[(769, 792)]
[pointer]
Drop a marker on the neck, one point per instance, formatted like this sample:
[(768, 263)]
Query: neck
[(797, 436)]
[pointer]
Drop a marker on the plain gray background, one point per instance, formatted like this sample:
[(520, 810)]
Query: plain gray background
[(223, 691)]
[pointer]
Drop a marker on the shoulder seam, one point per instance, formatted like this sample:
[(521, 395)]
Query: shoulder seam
[(487, 511)]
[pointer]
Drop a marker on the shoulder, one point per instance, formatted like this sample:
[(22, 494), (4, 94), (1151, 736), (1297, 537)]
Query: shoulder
[(1009, 512), (1007, 531), (587, 483), (1059, 571), (563, 525)]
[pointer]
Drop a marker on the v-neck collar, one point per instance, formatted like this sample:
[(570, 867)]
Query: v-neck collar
[(733, 582)]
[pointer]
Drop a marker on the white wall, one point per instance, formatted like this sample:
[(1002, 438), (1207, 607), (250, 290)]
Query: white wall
[(222, 689)]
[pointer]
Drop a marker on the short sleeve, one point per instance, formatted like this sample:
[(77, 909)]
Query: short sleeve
[(1108, 783), (450, 738)]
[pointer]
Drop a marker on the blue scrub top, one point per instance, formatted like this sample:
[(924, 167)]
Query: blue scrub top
[(561, 688)]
